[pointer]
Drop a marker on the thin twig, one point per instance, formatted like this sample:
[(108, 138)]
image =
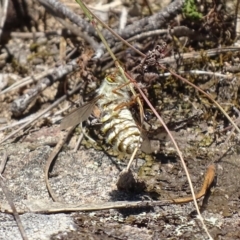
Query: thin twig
[(14, 211), (27, 80), (200, 72), (80, 138), (20, 122), (9, 199), (3, 14), (196, 55), (3, 163)]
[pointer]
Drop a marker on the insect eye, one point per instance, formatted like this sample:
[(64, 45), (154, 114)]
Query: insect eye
[(110, 79)]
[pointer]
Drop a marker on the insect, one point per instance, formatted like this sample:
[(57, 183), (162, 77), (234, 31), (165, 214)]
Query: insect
[(118, 126)]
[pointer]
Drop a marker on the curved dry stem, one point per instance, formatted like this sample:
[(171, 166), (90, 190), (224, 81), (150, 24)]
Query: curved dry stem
[(180, 156)]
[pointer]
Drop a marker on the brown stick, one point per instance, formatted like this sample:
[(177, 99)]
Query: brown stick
[(123, 204), (206, 184)]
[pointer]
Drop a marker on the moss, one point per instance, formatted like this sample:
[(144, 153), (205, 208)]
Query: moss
[(190, 10)]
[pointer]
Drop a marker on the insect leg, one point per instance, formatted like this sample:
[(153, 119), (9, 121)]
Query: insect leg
[(120, 87), (127, 104)]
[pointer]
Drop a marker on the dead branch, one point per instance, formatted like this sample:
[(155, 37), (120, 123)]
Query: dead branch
[(21, 103), (146, 24), (68, 13), (197, 55)]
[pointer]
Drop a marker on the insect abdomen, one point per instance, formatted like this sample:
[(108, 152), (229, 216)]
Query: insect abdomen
[(120, 129)]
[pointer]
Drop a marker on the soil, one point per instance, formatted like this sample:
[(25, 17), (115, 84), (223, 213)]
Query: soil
[(89, 175)]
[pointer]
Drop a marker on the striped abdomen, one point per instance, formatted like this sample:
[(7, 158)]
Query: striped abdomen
[(118, 124), (120, 129)]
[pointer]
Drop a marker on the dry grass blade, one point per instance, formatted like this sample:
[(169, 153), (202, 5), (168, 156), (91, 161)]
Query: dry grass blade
[(50, 159)]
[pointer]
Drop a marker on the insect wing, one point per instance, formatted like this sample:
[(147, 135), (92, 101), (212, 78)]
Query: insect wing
[(79, 115), (146, 145)]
